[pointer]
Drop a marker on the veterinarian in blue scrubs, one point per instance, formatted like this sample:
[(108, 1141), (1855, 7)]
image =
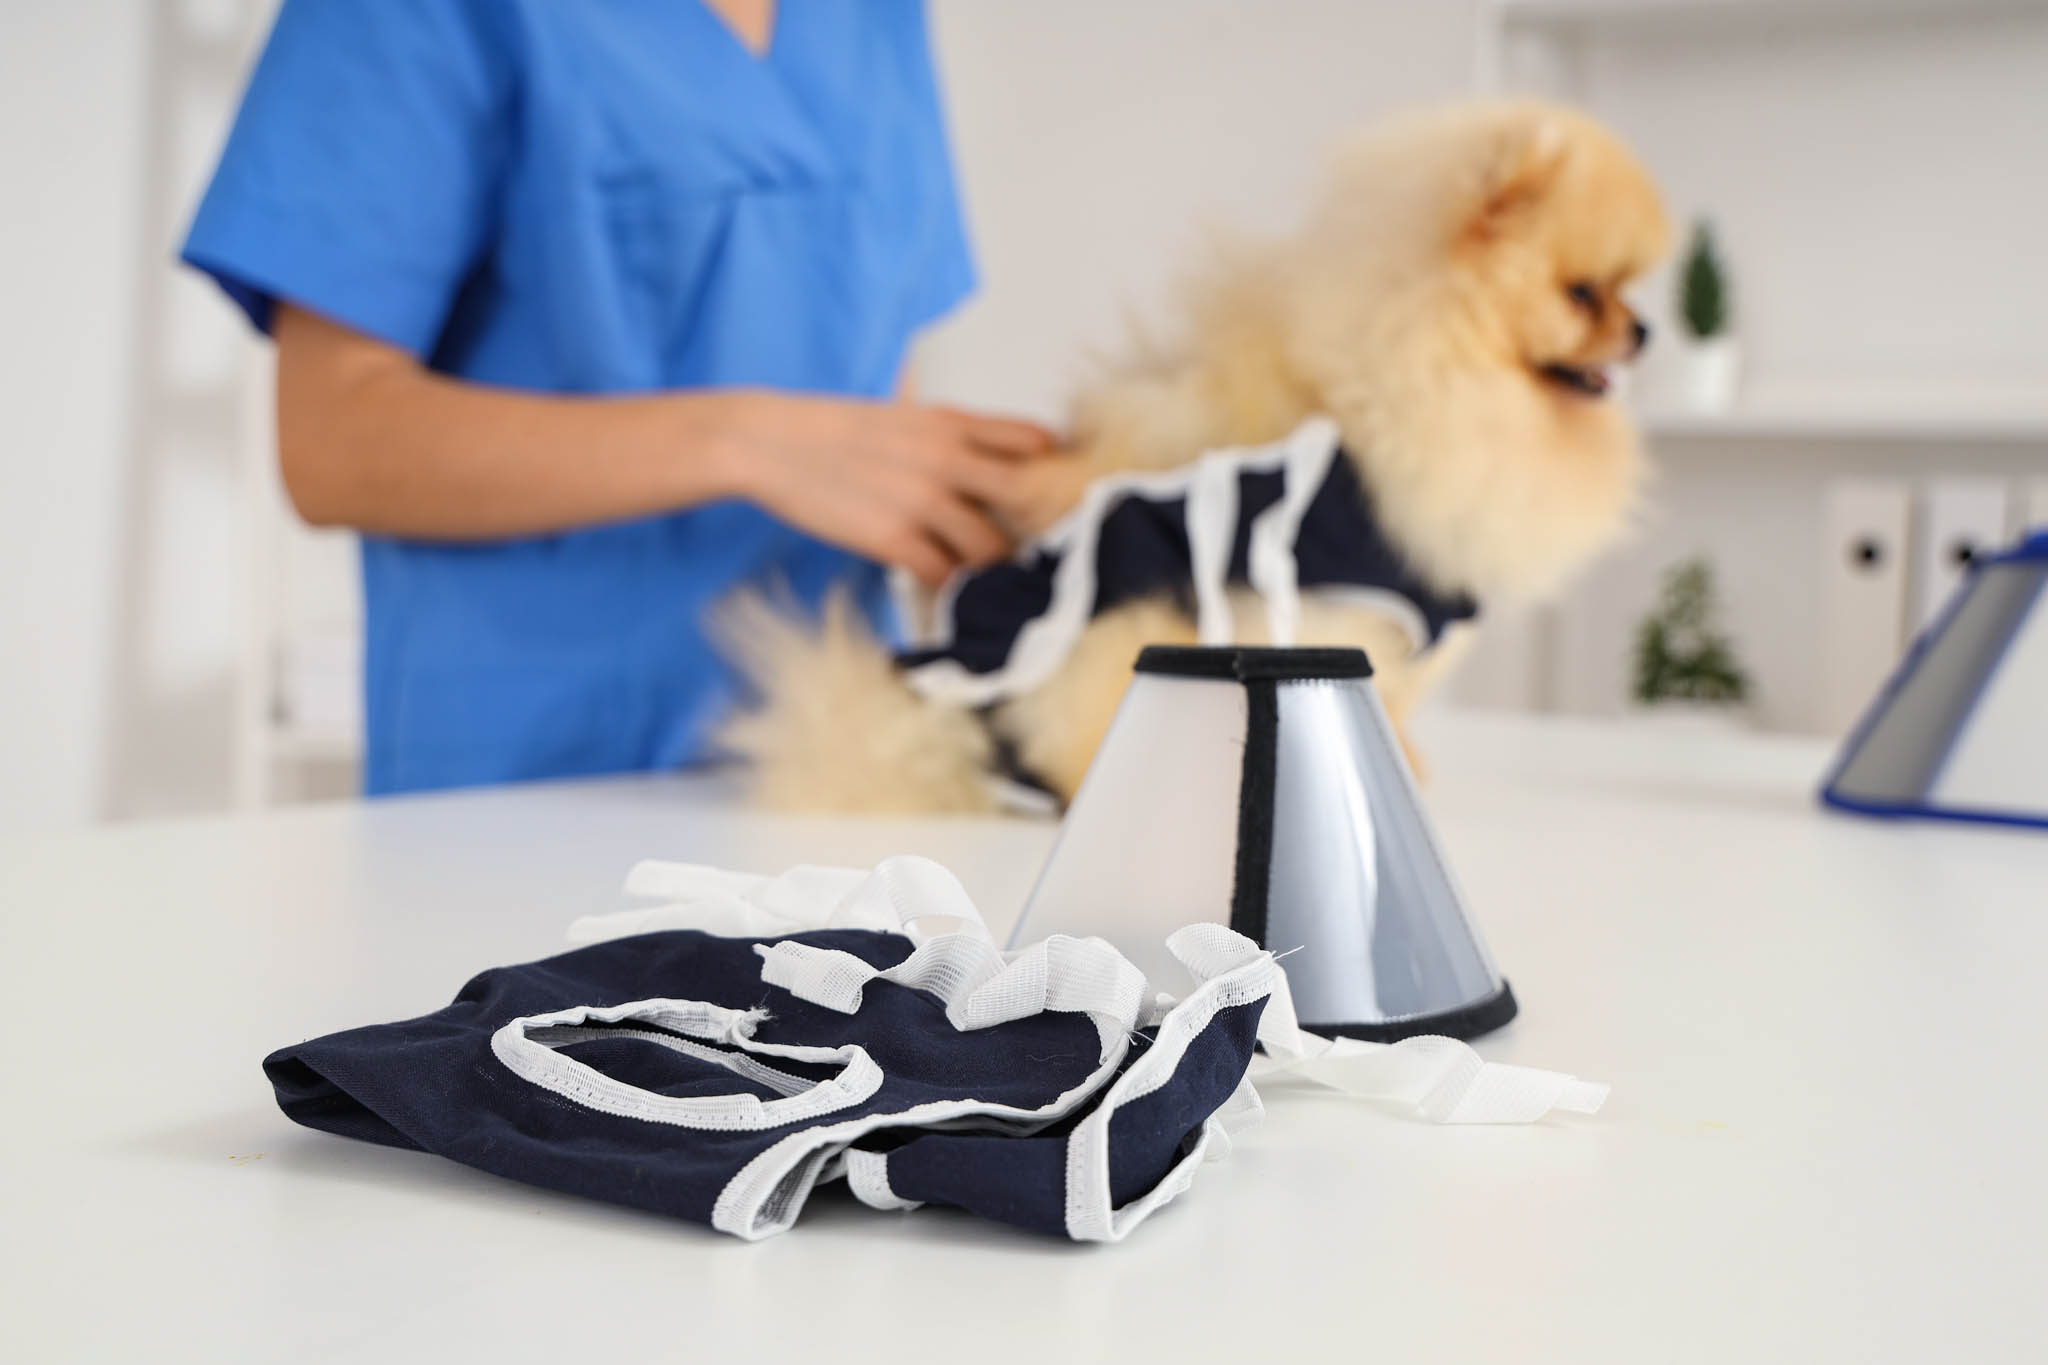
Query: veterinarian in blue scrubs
[(589, 312)]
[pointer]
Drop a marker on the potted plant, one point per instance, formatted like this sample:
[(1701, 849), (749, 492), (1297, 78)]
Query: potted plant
[(1684, 664), (1710, 358)]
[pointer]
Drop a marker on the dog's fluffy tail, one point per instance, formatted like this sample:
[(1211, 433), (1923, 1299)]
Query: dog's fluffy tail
[(835, 728)]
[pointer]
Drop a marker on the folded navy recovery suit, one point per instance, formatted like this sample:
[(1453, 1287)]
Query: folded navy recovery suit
[(720, 1079)]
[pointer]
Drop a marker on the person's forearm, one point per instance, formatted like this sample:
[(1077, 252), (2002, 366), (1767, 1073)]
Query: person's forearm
[(369, 438), (395, 450)]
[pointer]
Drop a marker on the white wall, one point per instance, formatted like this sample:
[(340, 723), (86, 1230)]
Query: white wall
[(1757, 510), (1099, 142), (71, 99), (1878, 185), (1879, 181)]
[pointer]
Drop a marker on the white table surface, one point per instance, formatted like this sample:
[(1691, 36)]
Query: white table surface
[(1825, 1142)]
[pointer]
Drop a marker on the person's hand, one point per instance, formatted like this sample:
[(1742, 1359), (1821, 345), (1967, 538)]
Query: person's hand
[(1046, 491), (930, 489)]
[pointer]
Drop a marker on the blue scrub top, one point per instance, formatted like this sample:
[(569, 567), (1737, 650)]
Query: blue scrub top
[(604, 196)]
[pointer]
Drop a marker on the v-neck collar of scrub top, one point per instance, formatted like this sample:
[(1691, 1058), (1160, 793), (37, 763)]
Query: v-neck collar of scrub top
[(766, 53), (778, 85)]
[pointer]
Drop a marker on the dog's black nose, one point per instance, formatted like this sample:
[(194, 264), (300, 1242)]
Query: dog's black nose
[(1641, 331)]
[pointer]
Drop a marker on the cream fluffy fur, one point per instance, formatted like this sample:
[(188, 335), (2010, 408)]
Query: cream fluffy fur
[(1450, 301)]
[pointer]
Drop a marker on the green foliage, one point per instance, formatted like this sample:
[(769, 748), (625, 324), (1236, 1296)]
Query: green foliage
[(1680, 653), (1703, 289)]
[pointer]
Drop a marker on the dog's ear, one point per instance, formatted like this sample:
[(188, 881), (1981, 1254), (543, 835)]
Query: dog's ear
[(1526, 162)]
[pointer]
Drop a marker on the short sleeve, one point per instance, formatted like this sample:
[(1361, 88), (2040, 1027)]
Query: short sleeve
[(948, 274), (361, 177)]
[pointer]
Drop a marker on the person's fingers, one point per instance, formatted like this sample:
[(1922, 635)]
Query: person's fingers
[(1026, 497), (989, 479), (1010, 437), (973, 538), (927, 560)]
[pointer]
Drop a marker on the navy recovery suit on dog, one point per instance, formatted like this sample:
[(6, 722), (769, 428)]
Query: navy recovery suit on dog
[(1282, 518), (720, 1079)]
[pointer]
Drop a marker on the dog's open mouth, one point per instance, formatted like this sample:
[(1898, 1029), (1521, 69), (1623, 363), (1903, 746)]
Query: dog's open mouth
[(1593, 383)]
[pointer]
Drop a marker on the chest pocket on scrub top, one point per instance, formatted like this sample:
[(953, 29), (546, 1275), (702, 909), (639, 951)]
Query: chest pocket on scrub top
[(662, 243), (748, 277)]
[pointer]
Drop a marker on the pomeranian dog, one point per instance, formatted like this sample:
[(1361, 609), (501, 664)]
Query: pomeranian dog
[(1452, 302)]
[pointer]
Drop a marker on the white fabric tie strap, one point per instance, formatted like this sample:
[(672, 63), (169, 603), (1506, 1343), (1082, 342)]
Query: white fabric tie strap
[(1211, 514), (978, 986), (1443, 1079), (1440, 1079), (896, 897), (1270, 557)]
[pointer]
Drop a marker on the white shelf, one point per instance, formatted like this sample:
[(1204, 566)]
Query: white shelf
[(315, 746), (1540, 14), (1842, 421)]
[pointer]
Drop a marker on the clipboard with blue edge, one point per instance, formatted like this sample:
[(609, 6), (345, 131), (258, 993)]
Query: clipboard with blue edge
[(1960, 730)]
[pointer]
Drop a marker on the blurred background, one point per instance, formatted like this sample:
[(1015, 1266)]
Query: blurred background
[(1872, 410)]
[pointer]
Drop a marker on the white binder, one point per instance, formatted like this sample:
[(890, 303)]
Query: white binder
[(2029, 508), (1866, 549), (1960, 519)]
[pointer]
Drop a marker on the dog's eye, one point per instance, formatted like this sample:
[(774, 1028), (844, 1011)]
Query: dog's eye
[(1584, 295)]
